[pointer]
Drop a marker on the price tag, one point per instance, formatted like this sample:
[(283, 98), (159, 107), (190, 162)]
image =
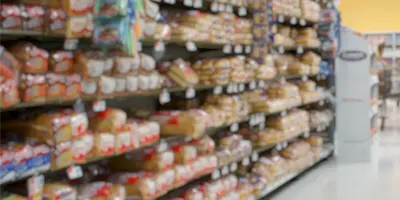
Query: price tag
[(281, 50), (262, 117), (246, 161), (261, 126), (253, 85), (234, 167), (234, 127), (221, 7), (139, 46), (321, 103), (300, 50), (284, 144), (71, 44), (247, 49), (293, 21), (198, 3), (218, 90), (74, 172), (261, 84), (252, 120), (170, 1), (238, 48), (164, 97), (215, 175), (304, 78), (159, 46), (78, 105), (214, 6), (162, 146), (190, 93), (283, 113), (242, 11), (225, 170), (241, 87), (303, 22), (229, 89), (307, 134), (229, 8), (279, 147), (35, 187), (188, 3), (254, 157), (227, 49), (235, 88), (281, 19), (282, 80), (191, 46), (99, 106)]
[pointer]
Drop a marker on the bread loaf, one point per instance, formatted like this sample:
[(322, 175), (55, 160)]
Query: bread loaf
[(61, 62), (58, 191), (56, 86), (33, 88), (184, 154), (74, 87), (33, 18), (62, 156), (111, 120)]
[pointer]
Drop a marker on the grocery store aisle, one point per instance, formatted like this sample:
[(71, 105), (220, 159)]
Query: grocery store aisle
[(332, 181)]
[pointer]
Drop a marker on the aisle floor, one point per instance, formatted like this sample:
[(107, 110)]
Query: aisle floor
[(378, 180)]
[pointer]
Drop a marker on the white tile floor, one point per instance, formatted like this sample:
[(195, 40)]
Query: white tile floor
[(378, 180)]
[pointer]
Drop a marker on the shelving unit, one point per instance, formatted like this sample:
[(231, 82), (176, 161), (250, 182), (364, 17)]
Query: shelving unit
[(149, 101)]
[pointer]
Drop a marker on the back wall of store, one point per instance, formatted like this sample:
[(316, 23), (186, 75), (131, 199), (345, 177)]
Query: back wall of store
[(371, 15)]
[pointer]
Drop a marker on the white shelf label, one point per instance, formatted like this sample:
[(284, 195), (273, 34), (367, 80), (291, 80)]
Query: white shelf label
[(253, 85), (159, 46), (284, 144), (321, 103), (281, 19), (282, 80), (139, 46), (247, 49), (163, 146), (241, 87), (35, 187), (246, 161), (229, 8), (218, 90), (261, 126), (164, 97), (303, 22), (234, 127), (300, 50), (170, 1), (254, 157), (74, 172), (229, 89), (71, 44), (190, 93), (188, 3), (221, 7), (227, 49), (304, 78), (293, 21), (242, 11), (198, 3), (281, 49), (225, 170), (214, 6), (238, 48), (234, 167), (261, 84), (235, 88), (283, 113), (191, 46), (99, 106), (307, 134), (279, 147), (215, 175)]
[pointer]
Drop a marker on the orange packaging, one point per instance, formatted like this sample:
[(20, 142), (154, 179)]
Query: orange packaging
[(33, 88), (35, 60), (73, 7), (56, 87), (61, 62), (73, 86), (9, 94), (33, 18), (56, 21)]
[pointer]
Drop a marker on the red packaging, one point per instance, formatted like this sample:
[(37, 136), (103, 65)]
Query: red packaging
[(56, 87), (10, 17), (9, 94), (57, 20), (61, 62), (73, 86), (33, 88), (33, 18)]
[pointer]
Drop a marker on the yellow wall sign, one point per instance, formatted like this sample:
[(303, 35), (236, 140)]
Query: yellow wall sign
[(371, 15)]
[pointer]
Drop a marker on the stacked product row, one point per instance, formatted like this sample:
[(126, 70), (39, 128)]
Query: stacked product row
[(289, 37), (305, 9)]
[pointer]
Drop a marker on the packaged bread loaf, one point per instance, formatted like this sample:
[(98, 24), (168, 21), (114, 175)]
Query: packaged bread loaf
[(183, 174), (56, 87), (190, 123), (22, 157), (83, 148), (133, 182), (184, 153), (89, 64), (11, 16), (306, 85), (107, 86), (90, 87), (315, 141), (147, 132), (154, 161), (33, 18), (73, 8), (58, 191), (62, 155), (61, 62), (9, 93), (6, 163), (102, 190), (111, 120), (77, 26), (73, 86), (182, 73), (56, 21), (104, 144), (52, 128), (34, 59), (298, 68), (296, 150), (311, 59), (123, 141), (33, 88)]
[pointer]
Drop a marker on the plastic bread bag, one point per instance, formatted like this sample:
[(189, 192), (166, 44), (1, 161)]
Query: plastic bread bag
[(184, 154), (315, 141), (204, 146), (99, 189), (306, 85), (311, 59), (296, 150), (58, 191), (34, 59), (111, 120), (113, 8)]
